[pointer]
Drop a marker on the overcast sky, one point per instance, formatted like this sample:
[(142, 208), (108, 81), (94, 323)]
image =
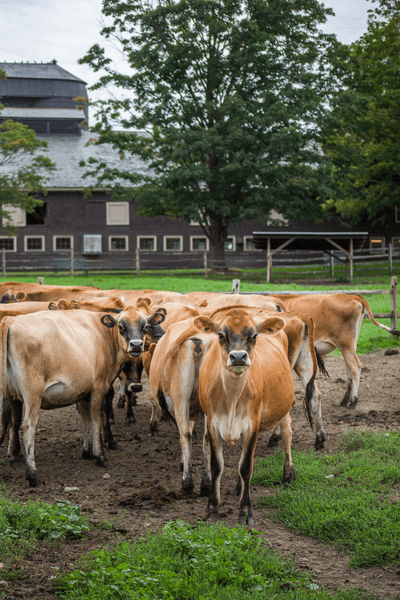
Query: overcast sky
[(43, 30)]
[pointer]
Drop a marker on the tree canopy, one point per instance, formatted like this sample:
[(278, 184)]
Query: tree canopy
[(363, 131), (24, 174), (229, 95)]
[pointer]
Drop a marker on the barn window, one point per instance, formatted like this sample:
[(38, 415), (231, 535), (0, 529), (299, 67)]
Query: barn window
[(16, 218), (63, 242), (230, 243), (38, 216), (173, 242), (377, 244), (198, 243), (248, 244), (9, 244), (117, 213), (147, 242), (397, 215), (118, 242), (34, 243)]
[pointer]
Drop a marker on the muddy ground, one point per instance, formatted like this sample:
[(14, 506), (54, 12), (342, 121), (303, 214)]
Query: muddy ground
[(140, 489)]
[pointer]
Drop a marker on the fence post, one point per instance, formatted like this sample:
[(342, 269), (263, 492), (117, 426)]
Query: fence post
[(332, 264), (71, 270), (390, 258), (205, 265), (269, 261), (393, 302), (40, 280), (137, 262), (4, 261), (235, 286)]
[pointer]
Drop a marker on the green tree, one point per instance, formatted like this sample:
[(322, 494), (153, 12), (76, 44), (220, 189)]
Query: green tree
[(229, 94), (363, 131), (22, 170)]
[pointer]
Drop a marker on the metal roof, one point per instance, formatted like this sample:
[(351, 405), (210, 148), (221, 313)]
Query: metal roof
[(42, 113), (37, 71), (68, 150), (309, 240)]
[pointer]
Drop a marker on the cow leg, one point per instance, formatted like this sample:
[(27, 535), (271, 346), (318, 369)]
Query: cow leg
[(245, 473), (286, 431), (121, 394), (84, 410), (217, 467), (153, 419), (107, 410), (31, 417), (14, 445), (275, 438), (205, 486), (130, 401), (353, 366), (312, 402), (96, 404)]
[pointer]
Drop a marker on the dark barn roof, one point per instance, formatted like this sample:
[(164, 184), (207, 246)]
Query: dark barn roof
[(38, 71)]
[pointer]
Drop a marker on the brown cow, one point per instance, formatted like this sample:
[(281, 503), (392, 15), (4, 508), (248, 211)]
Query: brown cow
[(337, 319), (15, 291), (52, 359), (245, 386), (175, 368)]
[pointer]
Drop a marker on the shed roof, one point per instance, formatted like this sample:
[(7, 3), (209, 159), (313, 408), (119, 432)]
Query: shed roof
[(49, 70), (42, 113), (309, 240)]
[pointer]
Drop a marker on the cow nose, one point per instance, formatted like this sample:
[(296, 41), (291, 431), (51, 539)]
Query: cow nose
[(238, 358), (135, 346)]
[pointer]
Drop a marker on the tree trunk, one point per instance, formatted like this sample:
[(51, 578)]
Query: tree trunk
[(217, 236)]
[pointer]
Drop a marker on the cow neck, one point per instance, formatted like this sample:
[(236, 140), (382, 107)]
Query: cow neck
[(233, 386)]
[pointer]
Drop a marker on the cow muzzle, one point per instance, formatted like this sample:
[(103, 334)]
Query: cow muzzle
[(135, 347), (238, 360)]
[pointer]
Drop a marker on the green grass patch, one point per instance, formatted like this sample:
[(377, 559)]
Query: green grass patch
[(185, 562), (350, 498), (23, 526)]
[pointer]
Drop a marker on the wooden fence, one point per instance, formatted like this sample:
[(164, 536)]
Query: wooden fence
[(139, 261)]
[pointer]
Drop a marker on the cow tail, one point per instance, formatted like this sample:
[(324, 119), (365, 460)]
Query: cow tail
[(5, 418), (4, 326), (164, 408), (321, 364), (192, 330), (310, 388), (367, 308)]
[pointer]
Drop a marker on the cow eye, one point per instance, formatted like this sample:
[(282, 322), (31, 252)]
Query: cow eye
[(121, 328), (222, 337), (253, 338)]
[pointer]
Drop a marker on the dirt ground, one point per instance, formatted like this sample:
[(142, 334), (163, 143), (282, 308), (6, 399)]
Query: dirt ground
[(140, 489)]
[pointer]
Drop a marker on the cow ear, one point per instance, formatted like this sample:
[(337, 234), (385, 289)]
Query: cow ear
[(108, 321), (152, 348), (20, 296), (144, 303), (64, 305), (52, 306), (271, 325), (205, 324), (157, 317)]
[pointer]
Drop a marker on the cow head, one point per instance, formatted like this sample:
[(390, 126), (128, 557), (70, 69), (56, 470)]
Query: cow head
[(237, 332), (12, 296), (134, 326)]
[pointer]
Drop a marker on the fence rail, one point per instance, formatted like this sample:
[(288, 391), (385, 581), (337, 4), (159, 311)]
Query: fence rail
[(199, 260)]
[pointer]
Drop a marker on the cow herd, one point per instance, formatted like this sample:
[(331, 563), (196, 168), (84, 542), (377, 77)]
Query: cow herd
[(222, 358)]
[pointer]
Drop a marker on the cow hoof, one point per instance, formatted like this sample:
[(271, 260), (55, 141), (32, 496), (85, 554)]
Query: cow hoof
[(319, 442), (214, 516), (246, 519), (205, 487), (273, 441), (132, 424), (187, 486), (352, 405), (87, 455), (33, 481), (289, 477)]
